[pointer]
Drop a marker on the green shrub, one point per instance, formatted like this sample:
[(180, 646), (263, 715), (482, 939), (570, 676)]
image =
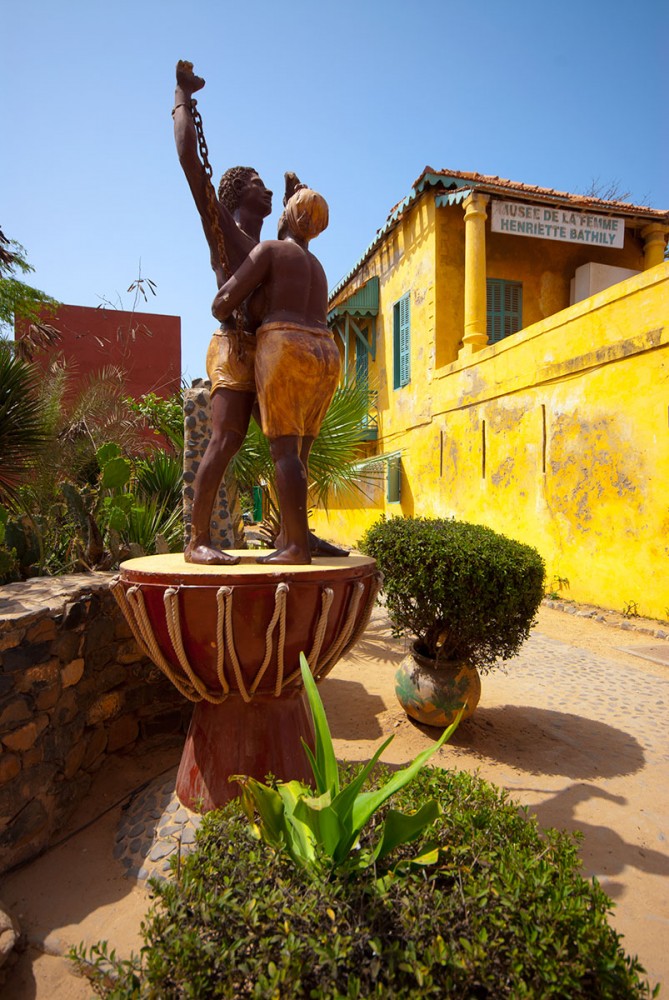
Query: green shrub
[(503, 914), (462, 590), (8, 558), (162, 416)]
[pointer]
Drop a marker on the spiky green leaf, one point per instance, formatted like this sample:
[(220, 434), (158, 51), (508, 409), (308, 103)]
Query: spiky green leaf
[(402, 828)]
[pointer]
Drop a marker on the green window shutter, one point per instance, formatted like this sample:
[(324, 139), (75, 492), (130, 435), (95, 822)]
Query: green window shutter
[(401, 343), (512, 308), (504, 308), (396, 346), (361, 361), (394, 479), (405, 342), (257, 503)]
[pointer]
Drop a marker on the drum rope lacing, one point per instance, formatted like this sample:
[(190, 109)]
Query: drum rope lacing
[(186, 681)]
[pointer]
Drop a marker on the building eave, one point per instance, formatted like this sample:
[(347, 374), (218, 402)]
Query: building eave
[(463, 182)]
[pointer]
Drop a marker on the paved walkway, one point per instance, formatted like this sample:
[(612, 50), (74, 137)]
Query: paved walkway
[(574, 727)]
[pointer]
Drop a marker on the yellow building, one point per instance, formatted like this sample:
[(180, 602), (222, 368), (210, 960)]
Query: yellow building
[(517, 338)]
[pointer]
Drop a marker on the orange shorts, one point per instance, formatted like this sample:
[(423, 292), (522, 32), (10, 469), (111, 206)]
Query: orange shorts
[(297, 372), (228, 368)]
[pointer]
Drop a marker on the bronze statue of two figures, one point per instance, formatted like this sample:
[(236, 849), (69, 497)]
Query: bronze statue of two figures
[(273, 350), (228, 636)]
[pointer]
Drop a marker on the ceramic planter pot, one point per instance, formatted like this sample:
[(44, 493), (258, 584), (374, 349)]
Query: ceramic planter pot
[(434, 696)]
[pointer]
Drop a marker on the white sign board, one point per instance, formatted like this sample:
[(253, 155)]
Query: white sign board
[(547, 223)]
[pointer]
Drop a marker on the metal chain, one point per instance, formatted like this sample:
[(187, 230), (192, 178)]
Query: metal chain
[(212, 202)]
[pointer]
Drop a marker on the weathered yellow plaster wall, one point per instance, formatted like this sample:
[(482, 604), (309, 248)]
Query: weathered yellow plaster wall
[(558, 436), (544, 267), (449, 279)]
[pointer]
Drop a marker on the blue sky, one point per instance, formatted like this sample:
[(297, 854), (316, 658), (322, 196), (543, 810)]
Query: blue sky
[(356, 97)]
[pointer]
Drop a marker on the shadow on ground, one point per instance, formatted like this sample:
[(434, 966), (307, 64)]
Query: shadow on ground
[(377, 645), (541, 741), (352, 712), (604, 851)]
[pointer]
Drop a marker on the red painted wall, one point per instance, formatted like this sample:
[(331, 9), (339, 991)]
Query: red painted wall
[(145, 345)]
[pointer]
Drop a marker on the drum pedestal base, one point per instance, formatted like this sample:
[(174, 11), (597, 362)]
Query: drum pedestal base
[(255, 738), (230, 638)]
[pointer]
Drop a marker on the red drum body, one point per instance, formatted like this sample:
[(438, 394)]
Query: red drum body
[(229, 638)]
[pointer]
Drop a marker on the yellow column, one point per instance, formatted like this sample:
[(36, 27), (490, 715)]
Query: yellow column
[(654, 242), (475, 336)]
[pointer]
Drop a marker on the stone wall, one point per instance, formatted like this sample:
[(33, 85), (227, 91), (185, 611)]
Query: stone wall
[(74, 689)]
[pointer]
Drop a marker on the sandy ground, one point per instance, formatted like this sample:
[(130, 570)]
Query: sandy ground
[(574, 727)]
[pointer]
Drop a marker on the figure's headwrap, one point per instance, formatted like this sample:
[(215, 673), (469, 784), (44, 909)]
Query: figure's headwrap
[(307, 213)]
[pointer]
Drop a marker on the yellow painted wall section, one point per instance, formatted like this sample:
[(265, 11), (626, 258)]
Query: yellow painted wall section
[(450, 292), (544, 267), (557, 436), (412, 273)]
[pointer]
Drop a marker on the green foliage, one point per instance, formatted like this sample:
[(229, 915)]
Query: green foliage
[(82, 417), (253, 462), (60, 494), (96, 500), (117, 516), (323, 829), (23, 433), (8, 558), (22, 538), (162, 416), (75, 499), (462, 590), (160, 476), (503, 914), (155, 527), (21, 550), (334, 463), (19, 300)]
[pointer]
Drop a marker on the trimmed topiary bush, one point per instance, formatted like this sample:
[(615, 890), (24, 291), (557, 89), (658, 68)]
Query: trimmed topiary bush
[(463, 591), (502, 914)]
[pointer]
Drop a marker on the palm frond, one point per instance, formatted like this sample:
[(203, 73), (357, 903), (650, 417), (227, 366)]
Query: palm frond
[(334, 463), (86, 416), (253, 463), (39, 336), (23, 433), (160, 475), (145, 523)]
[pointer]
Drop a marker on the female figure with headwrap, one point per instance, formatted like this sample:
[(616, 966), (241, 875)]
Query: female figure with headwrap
[(297, 362)]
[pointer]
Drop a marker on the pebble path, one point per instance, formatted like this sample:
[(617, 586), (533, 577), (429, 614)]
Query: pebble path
[(154, 830), (565, 678)]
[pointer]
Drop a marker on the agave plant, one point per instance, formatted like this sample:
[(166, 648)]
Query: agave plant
[(154, 526), (124, 513), (325, 826)]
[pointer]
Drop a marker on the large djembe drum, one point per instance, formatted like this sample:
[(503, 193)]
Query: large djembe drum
[(229, 638)]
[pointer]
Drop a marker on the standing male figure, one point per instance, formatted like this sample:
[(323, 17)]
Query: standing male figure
[(243, 202), (297, 361)]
